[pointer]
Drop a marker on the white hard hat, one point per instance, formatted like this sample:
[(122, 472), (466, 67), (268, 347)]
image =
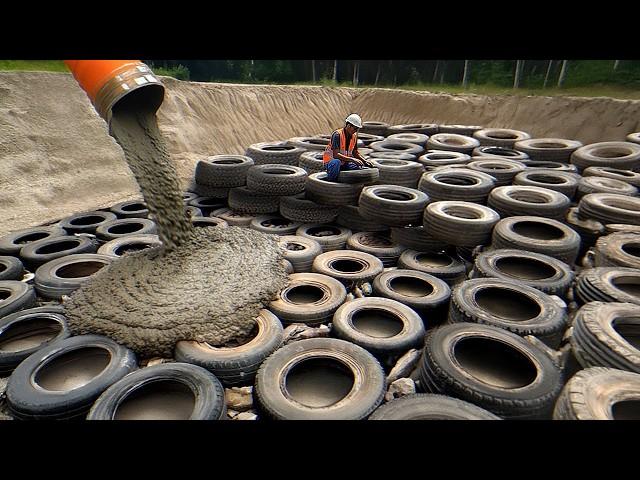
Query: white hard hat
[(355, 120)]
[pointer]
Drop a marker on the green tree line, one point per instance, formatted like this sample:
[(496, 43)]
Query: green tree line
[(502, 73)]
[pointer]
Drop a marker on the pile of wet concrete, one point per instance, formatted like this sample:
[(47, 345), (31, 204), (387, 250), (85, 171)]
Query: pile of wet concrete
[(472, 274)]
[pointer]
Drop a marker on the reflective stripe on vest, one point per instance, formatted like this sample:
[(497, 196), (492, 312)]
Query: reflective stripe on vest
[(327, 156)]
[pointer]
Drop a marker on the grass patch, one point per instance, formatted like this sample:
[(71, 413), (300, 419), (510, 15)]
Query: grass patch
[(33, 65)]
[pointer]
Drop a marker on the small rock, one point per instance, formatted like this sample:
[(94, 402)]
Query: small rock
[(239, 398), (158, 361), (400, 388), (350, 297), (247, 416), (299, 331), (366, 288), (232, 413), (357, 292), (404, 366)]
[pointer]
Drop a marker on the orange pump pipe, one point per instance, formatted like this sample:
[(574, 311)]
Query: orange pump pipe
[(106, 82)]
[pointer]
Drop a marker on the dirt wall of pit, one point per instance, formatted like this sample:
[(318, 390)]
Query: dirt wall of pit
[(57, 157)]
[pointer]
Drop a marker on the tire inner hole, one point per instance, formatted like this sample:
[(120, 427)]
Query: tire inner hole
[(626, 410), (157, 400), (411, 286), (629, 329), (629, 285), (88, 220), (29, 333), (123, 229), (457, 180), (79, 269), (56, 247), (538, 231), (434, 259), (303, 294), (507, 304), (524, 268), (134, 207), (348, 265), (32, 237), (377, 323), (73, 369), (319, 382)]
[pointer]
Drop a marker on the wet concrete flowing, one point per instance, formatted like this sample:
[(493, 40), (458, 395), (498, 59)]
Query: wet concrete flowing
[(203, 284)]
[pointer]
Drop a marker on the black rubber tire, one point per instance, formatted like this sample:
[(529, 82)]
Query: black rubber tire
[(130, 209), (398, 172), (444, 266), (445, 220), (375, 128), (588, 185), (364, 176), (618, 250), (452, 142), (633, 138), (427, 406), (532, 384), (125, 227), (33, 257), (233, 218), (318, 189), (589, 230), (311, 162), (28, 329), (467, 130), (349, 216), (417, 238), (502, 170), (64, 275), (424, 293), (620, 227), (274, 225), (207, 204), (519, 200), (412, 137), (350, 324), (28, 401), (396, 146), (592, 393), (501, 152), (606, 335), (510, 305), (274, 153), (189, 195), (632, 178), (622, 155), (548, 149), (417, 128), (243, 200), (563, 182), (309, 143), (11, 268), (537, 234), (15, 296), (201, 190), (392, 205), (600, 285), (500, 137), (455, 184), (610, 208), (330, 237), (439, 158), (331, 295), (299, 251), (367, 139), (349, 266), (130, 243), (376, 244), (298, 209), (544, 165), (365, 371), (223, 171), (206, 222), (86, 222), (542, 272), (276, 180), (12, 243), (410, 157), (206, 391)]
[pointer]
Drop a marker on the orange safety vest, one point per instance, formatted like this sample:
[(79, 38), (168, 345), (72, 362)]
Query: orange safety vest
[(327, 156)]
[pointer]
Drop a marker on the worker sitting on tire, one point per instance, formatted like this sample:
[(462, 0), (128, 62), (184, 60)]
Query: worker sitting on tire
[(342, 151)]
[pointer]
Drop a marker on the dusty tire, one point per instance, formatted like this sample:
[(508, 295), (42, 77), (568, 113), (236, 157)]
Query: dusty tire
[(274, 225), (223, 171), (396, 146), (378, 245), (235, 219), (398, 172), (417, 238), (544, 165), (513, 306), (25, 332), (276, 180), (512, 201), (597, 393), (235, 365), (45, 397), (445, 221), (492, 368), (589, 230), (299, 251), (501, 152), (86, 222), (298, 209), (311, 162), (537, 234), (349, 216), (463, 183), (409, 157), (622, 155), (206, 222), (444, 266), (542, 272), (417, 138), (243, 200), (143, 388), (563, 182), (348, 266), (382, 326), (11, 268), (375, 128), (274, 153), (14, 296), (309, 298), (589, 185), (130, 209), (608, 284), (12, 243), (201, 190), (467, 130), (423, 129), (439, 158), (392, 205), (64, 275), (309, 143), (452, 142), (618, 250), (548, 149), (632, 178), (354, 371), (427, 406), (502, 170), (318, 189), (125, 227), (207, 204), (610, 208), (130, 243), (38, 253), (500, 137), (330, 237), (364, 176)]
